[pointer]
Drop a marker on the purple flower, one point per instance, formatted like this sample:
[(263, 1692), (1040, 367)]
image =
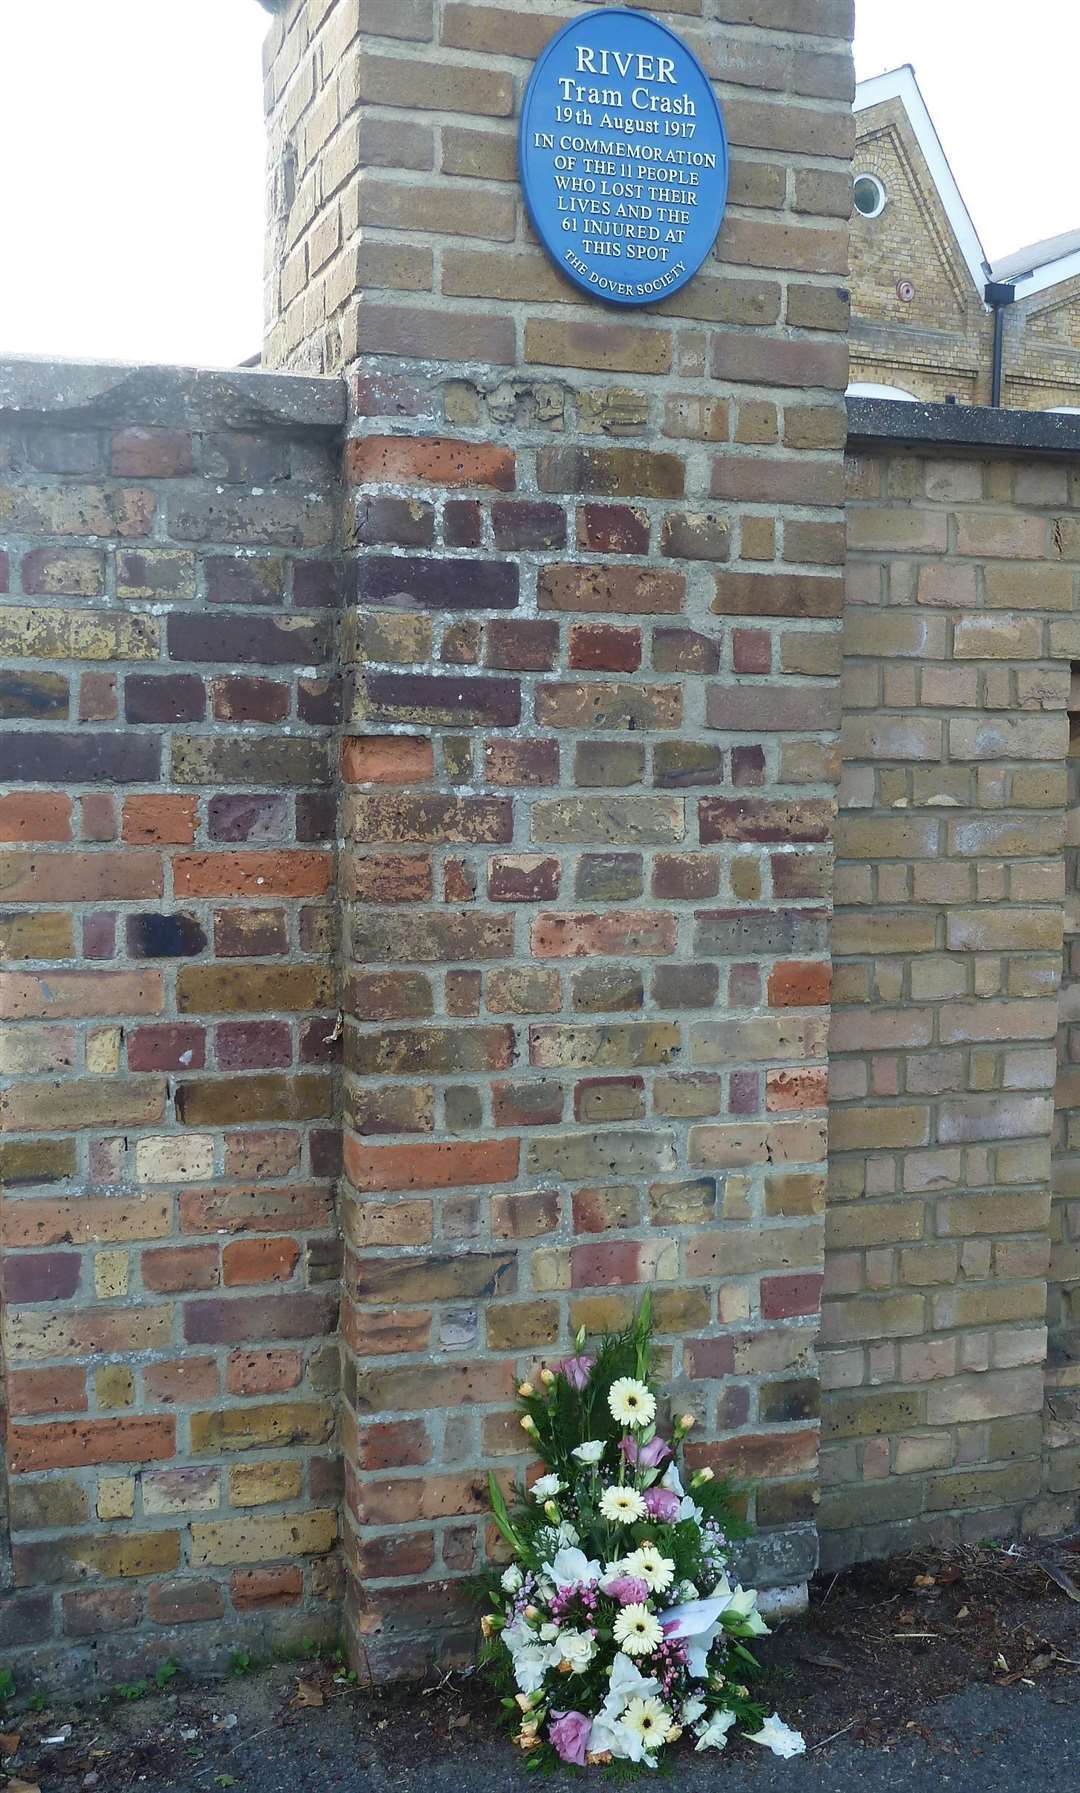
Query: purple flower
[(576, 1370), (645, 1456), (662, 1504), (569, 1732), (628, 1590)]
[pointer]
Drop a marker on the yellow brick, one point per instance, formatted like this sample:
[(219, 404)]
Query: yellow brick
[(103, 1050), (111, 1271), (114, 1386), (260, 1484), (116, 1497), (262, 1540)]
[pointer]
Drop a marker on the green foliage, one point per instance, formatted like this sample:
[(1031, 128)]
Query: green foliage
[(36, 1703), (131, 1690), (7, 1685), (165, 1672), (241, 1662)]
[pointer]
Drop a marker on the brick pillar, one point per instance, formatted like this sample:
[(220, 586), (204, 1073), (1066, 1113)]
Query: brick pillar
[(589, 764)]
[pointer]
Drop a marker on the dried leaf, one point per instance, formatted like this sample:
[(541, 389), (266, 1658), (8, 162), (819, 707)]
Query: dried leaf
[(9, 1742), (307, 1694), (818, 1660), (1061, 1580), (964, 1613), (925, 1581), (15, 1785)]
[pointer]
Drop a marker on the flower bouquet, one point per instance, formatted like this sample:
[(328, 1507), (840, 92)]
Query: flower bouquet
[(615, 1628)]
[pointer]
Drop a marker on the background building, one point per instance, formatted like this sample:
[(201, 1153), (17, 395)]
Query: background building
[(921, 322)]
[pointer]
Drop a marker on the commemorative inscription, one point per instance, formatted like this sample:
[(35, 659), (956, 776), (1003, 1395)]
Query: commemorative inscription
[(623, 156)]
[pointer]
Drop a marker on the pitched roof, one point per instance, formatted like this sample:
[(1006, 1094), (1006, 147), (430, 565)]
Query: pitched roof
[(1032, 269), (900, 84)]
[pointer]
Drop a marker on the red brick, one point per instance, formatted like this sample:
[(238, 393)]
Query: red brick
[(751, 651), (259, 1260), (386, 759), (393, 1444), (46, 1391), (252, 1590), (37, 815), (447, 1165), (434, 460), (149, 453), (262, 1372), (175, 1268), (186, 1602), (160, 820), (184, 1380), (602, 647), (795, 985), (101, 1609), (71, 1444), (290, 874), (783, 1297), (171, 1046)]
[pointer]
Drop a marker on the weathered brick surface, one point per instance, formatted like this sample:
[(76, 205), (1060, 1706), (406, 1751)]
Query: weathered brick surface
[(145, 1088), (947, 963), (571, 775)]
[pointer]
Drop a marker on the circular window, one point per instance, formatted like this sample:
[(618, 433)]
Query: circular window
[(869, 195)]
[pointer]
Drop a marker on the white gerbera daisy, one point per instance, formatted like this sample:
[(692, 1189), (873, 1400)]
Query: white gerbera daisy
[(638, 1631), (646, 1564), (649, 1720), (631, 1402), (622, 1506), (544, 1487)]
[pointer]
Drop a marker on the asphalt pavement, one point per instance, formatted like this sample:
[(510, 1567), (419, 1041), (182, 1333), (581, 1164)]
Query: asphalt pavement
[(985, 1740)]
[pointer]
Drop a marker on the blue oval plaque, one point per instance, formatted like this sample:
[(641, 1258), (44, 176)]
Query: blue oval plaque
[(623, 156)]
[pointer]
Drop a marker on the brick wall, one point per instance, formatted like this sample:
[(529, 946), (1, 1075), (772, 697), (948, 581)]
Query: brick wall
[(959, 631), (589, 761), (168, 999)]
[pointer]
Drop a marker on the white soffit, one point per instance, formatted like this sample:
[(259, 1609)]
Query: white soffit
[(900, 84)]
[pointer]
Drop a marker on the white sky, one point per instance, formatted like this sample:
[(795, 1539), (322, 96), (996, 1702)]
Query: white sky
[(131, 151)]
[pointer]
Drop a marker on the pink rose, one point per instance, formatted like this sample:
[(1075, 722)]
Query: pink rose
[(628, 1590), (569, 1732), (662, 1504), (645, 1456), (576, 1370)]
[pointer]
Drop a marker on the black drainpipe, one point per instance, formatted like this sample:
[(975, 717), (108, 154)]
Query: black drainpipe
[(1000, 294)]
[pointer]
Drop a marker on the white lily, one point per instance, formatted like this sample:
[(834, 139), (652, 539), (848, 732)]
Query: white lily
[(743, 1604), (779, 1737), (714, 1734), (698, 1623), (692, 1709), (608, 1734), (530, 1666), (625, 1683), (571, 1568)]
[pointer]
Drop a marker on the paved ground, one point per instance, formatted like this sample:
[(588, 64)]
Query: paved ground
[(956, 1670), (984, 1740)]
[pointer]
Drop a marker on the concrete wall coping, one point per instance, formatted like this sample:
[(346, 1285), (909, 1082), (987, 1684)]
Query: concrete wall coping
[(115, 392), (996, 429)]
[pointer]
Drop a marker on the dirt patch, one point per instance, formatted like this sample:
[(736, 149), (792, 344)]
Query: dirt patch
[(879, 1645)]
